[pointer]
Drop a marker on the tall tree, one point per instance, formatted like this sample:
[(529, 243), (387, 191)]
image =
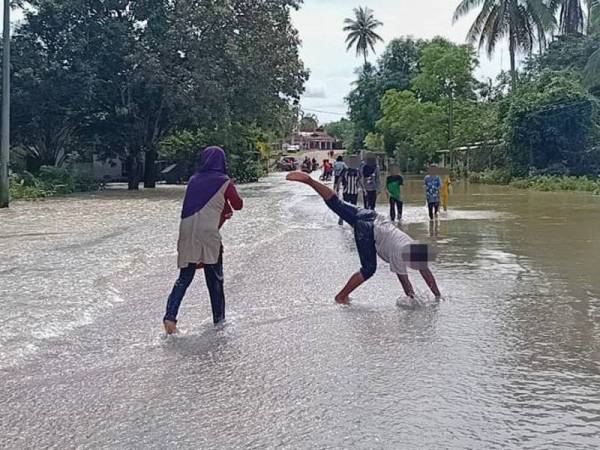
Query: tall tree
[(522, 22), (363, 103), (571, 14), (399, 63), (446, 76), (117, 76), (361, 31)]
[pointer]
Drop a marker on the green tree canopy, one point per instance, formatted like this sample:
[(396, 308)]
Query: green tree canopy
[(118, 76), (551, 123)]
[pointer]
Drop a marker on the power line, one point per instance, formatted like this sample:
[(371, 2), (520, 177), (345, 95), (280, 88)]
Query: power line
[(324, 112)]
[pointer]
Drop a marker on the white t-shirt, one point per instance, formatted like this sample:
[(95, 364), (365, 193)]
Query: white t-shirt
[(389, 241)]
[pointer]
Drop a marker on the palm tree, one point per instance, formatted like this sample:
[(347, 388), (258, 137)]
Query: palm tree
[(361, 31), (571, 14), (523, 22), (593, 26), (591, 72)]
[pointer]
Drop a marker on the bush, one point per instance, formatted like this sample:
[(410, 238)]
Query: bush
[(50, 181), (245, 146), (548, 183), (491, 176)]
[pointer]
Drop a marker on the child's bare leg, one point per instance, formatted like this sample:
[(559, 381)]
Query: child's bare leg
[(353, 283), (301, 177)]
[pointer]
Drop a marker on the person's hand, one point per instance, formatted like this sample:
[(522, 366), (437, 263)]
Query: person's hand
[(233, 180), (228, 215)]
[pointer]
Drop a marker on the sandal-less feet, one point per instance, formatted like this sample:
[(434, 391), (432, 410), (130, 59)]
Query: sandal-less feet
[(170, 327)]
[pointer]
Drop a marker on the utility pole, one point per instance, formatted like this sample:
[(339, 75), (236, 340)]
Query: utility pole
[(5, 144)]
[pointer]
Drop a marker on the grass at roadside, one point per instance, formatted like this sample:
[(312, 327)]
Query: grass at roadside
[(544, 183)]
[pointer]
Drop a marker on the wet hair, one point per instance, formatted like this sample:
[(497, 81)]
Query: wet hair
[(340, 158)]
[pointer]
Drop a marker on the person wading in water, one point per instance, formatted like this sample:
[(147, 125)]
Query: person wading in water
[(209, 199)]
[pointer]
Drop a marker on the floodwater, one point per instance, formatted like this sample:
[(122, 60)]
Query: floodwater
[(510, 357)]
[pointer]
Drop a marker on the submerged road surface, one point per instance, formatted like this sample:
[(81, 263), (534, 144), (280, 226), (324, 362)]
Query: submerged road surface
[(509, 358)]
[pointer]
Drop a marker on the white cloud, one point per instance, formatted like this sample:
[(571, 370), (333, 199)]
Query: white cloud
[(323, 51)]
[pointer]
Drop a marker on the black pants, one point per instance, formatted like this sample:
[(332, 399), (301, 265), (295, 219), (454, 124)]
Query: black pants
[(213, 274), (395, 205), (349, 198), (433, 207), (370, 200), (363, 222)]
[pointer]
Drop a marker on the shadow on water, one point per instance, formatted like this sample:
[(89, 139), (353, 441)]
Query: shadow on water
[(208, 341)]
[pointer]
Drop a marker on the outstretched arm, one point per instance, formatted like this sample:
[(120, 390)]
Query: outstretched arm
[(405, 282), (324, 191), (430, 280)]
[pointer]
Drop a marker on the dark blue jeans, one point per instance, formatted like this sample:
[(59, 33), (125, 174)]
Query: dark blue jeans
[(363, 222), (214, 281)]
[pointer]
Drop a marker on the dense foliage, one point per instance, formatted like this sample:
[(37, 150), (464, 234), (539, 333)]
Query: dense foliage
[(117, 77), (49, 181), (422, 101)]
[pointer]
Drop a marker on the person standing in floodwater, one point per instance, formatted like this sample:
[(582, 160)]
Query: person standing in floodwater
[(350, 179), (338, 167), (394, 184), (445, 192), (209, 199), (433, 184), (370, 180)]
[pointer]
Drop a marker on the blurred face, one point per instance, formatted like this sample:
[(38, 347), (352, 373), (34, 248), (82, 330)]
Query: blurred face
[(417, 256)]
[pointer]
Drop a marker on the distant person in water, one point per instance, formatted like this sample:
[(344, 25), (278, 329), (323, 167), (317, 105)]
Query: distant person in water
[(338, 167), (315, 165), (375, 235), (445, 192), (350, 180), (433, 184), (371, 181), (393, 185), (306, 165), (210, 199), (327, 170)]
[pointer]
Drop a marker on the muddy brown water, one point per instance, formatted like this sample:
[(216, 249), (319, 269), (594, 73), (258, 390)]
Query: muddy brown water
[(509, 359)]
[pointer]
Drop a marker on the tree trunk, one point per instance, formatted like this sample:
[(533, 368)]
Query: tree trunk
[(513, 63), (150, 169), (133, 173), (451, 128)]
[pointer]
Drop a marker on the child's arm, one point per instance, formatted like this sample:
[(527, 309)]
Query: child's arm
[(430, 280), (406, 285)]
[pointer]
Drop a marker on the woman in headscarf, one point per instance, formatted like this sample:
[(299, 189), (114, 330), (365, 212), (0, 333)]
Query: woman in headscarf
[(209, 199)]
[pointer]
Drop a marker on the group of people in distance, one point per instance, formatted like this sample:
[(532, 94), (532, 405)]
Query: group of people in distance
[(354, 177), (309, 165), (211, 198)]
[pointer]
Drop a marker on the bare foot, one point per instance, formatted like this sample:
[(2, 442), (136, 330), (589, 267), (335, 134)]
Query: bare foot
[(298, 176), (342, 300), (170, 327)]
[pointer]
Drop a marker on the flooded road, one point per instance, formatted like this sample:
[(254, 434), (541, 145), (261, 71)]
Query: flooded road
[(509, 358)]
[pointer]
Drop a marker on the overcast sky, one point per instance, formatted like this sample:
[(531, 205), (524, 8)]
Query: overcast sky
[(323, 51)]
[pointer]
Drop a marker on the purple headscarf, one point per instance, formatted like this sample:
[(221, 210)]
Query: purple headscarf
[(205, 183)]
